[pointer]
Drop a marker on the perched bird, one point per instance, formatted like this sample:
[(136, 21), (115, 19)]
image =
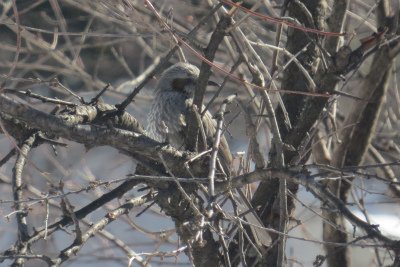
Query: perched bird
[(167, 122), (169, 110)]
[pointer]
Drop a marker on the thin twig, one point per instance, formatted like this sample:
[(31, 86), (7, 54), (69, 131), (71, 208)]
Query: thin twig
[(217, 139)]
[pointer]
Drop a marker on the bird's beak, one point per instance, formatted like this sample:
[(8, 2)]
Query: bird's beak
[(211, 83)]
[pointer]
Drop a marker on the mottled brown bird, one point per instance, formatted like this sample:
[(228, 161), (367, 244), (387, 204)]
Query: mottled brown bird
[(169, 111), (167, 121)]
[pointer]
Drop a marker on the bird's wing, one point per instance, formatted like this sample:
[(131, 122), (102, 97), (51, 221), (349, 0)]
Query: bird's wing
[(224, 154)]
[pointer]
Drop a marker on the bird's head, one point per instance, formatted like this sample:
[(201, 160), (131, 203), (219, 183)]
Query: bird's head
[(181, 77)]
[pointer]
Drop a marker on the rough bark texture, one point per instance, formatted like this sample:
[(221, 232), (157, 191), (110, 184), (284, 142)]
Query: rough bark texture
[(356, 138), (311, 14)]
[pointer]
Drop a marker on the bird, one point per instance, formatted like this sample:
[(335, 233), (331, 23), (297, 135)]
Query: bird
[(167, 120)]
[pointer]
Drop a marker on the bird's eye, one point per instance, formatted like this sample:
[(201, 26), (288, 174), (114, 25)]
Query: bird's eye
[(179, 84)]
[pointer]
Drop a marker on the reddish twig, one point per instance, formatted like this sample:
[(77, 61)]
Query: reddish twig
[(149, 4), (281, 21)]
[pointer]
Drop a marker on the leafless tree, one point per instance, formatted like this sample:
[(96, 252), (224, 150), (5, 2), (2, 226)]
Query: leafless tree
[(308, 102)]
